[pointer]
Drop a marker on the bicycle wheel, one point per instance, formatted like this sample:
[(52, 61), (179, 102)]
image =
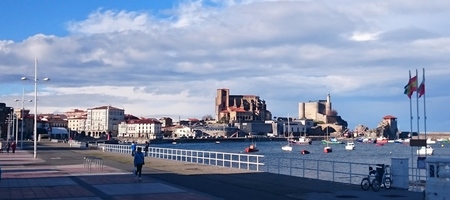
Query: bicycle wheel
[(375, 185), (387, 183), (365, 184)]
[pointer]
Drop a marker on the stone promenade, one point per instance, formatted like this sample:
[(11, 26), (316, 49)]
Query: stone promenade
[(59, 173)]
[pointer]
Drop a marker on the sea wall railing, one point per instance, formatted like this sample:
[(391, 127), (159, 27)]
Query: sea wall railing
[(336, 171), (232, 160)]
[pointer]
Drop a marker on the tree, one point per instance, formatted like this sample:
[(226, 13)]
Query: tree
[(207, 117), (332, 113)]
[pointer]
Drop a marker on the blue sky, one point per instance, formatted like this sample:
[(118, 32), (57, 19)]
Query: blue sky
[(167, 58)]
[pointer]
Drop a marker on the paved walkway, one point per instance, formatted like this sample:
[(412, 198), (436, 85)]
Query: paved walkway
[(59, 173)]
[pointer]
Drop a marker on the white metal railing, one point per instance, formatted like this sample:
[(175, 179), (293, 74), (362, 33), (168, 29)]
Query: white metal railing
[(336, 171), (222, 159)]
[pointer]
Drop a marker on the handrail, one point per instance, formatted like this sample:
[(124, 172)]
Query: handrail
[(336, 171), (232, 160)]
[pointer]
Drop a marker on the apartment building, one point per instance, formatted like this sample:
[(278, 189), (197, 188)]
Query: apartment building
[(103, 120), (76, 120), (140, 128)]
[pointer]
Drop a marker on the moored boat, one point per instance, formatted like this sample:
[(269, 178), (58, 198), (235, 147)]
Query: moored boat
[(332, 141), (423, 151), (251, 148), (301, 141), (381, 140), (429, 141), (286, 148), (350, 146)]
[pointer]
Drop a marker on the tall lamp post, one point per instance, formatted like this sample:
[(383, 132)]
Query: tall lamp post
[(35, 106), (16, 129), (22, 115)]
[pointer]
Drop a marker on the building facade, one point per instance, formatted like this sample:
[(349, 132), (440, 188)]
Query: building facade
[(103, 120), (140, 128), (240, 108), (5, 112), (76, 120)]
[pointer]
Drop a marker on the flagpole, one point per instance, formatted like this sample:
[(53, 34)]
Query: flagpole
[(417, 103), (410, 111), (424, 106), (411, 125)]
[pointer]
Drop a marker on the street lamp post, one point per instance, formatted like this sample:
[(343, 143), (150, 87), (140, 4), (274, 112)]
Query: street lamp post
[(35, 107), (21, 116), (16, 132)]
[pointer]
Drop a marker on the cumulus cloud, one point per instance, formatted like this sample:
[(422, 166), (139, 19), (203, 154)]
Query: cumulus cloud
[(283, 51)]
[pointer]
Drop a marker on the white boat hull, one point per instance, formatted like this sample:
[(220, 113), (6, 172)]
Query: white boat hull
[(286, 148), (425, 151)]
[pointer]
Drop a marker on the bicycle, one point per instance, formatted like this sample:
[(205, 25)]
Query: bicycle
[(377, 177)]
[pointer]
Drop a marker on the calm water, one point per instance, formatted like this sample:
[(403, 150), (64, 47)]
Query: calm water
[(364, 152)]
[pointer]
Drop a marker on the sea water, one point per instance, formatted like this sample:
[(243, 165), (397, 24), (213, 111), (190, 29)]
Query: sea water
[(367, 153)]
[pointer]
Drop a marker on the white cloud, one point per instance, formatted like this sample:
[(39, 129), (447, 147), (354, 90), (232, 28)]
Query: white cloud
[(283, 51), (361, 37)]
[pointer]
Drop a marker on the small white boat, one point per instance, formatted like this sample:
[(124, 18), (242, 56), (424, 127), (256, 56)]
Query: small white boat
[(423, 151), (286, 148), (217, 142), (429, 141), (350, 146), (327, 150)]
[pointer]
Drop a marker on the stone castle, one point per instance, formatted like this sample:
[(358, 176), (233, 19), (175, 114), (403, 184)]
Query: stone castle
[(240, 108), (321, 112)]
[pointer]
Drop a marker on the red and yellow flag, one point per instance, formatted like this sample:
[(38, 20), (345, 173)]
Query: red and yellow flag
[(411, 87)]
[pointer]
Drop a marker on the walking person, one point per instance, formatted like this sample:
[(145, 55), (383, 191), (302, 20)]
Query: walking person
[(13, 147), (8, 146), (146, 148), (1, 147), (133, 148), (138, 162)]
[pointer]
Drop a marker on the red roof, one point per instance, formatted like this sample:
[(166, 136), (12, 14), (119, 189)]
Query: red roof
[(389, 117)]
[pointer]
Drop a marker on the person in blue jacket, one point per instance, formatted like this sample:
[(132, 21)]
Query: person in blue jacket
[(139, 162), (133, 148)]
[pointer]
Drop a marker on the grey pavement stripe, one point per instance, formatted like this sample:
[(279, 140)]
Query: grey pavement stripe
[(100, 194), (34, 182), (137, 188)]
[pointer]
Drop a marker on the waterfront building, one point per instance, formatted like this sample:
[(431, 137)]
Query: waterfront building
[(183, 132), (103, 120), (298, 127), (55, 120), (240, 108), (76, 120), (140, 128), (166, 121), (4, 113)]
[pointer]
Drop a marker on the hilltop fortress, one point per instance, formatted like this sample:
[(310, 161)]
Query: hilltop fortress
[(322, 113)]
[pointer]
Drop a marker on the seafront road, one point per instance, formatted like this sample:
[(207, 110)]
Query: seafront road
[(59, 173)]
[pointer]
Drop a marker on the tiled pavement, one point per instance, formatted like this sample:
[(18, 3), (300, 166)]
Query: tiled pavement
[(60, 174), (26, 178)]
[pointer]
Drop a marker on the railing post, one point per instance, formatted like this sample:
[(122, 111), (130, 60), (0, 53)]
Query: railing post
[(290, 167), (317, 168), (303, 168), (333, 170)]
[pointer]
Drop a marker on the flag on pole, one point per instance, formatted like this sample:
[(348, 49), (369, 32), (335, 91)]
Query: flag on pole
[(411, 86), (421, 89)]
